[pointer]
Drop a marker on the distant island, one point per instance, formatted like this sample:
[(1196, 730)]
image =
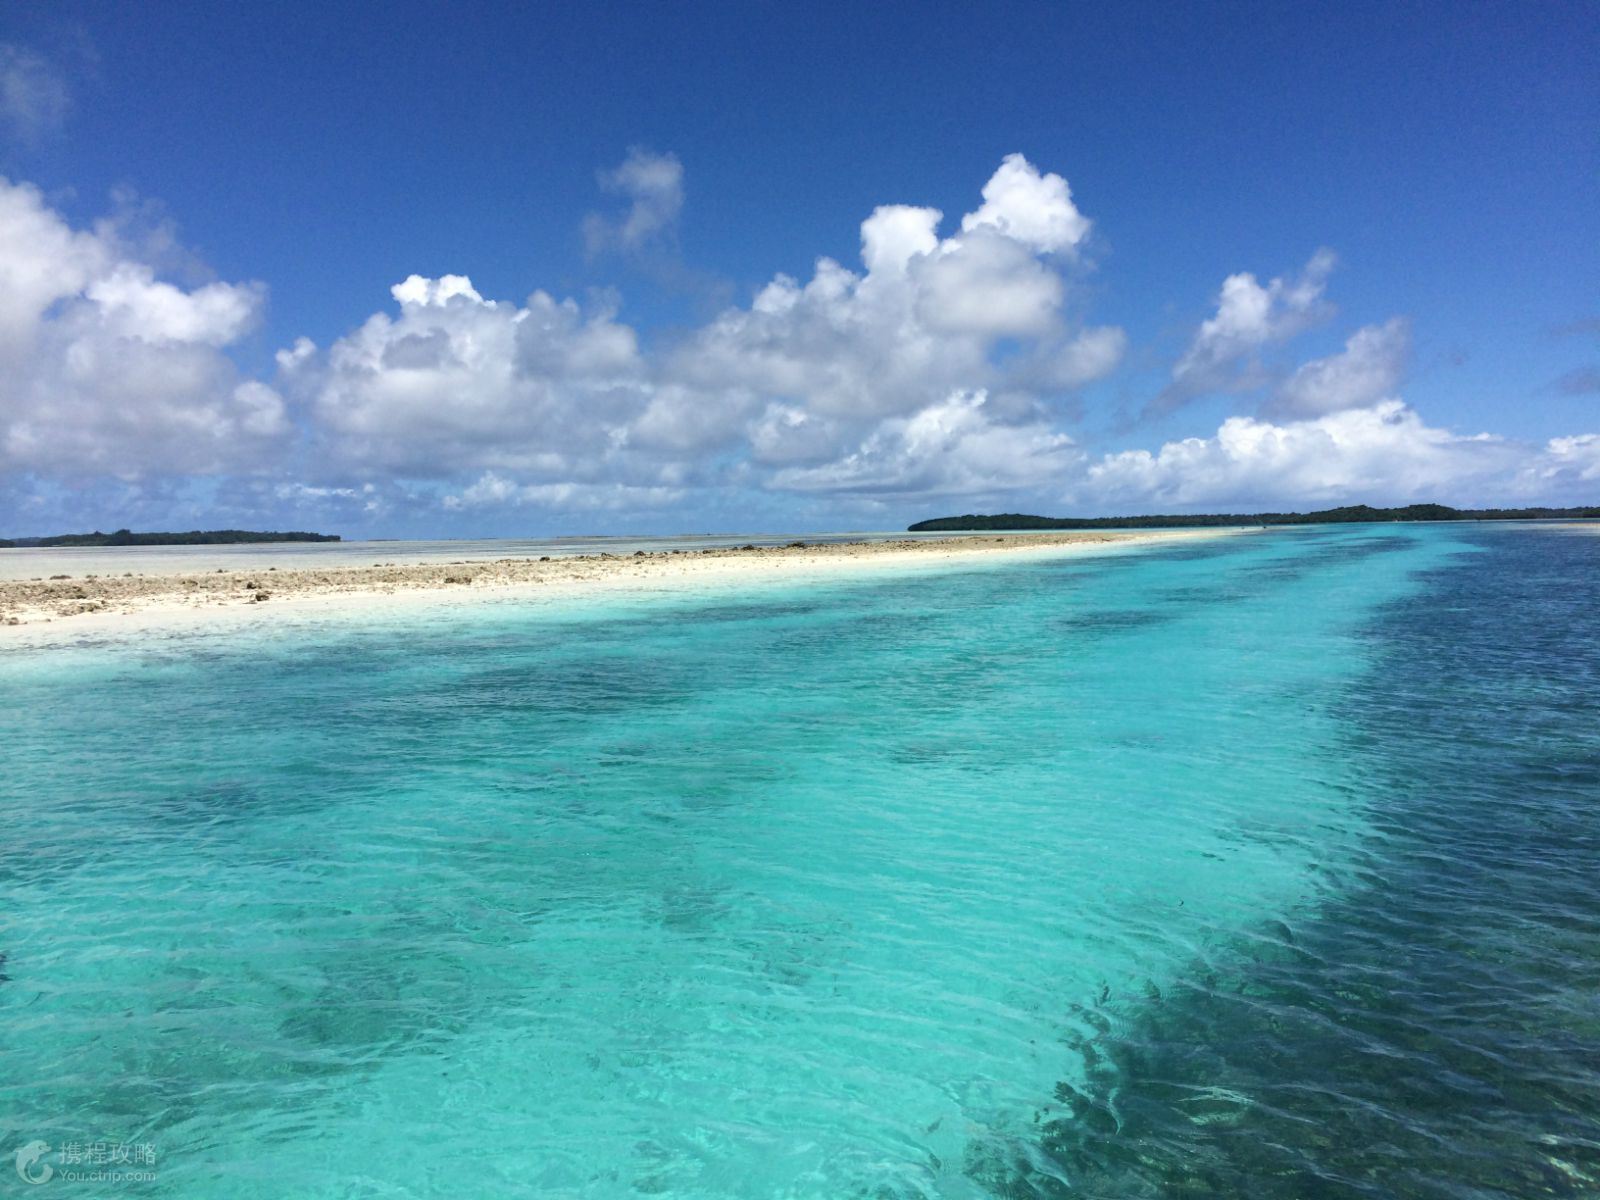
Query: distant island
[(195, 537), (1348, 515)]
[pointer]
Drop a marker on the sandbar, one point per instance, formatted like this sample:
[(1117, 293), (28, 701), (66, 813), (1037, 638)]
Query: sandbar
[(111, 604)]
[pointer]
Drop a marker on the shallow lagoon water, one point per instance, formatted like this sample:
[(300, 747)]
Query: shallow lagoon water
[(1260, 866)]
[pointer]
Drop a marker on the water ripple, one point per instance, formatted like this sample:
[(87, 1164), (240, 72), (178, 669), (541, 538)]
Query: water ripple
[(1261, 867)]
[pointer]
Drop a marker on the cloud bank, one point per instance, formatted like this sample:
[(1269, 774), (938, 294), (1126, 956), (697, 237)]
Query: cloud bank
[(946, 366), (920, 371)]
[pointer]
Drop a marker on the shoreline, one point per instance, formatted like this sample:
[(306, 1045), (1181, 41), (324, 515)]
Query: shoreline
[(128, 603)]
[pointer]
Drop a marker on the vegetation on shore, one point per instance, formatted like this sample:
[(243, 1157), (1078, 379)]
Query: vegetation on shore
[(195, 537), (1349, 514)]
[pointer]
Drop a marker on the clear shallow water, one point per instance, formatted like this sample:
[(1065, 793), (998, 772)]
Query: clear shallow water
[(1258, 866)]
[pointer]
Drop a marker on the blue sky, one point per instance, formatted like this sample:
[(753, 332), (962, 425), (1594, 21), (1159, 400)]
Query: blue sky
[(1232, 256)]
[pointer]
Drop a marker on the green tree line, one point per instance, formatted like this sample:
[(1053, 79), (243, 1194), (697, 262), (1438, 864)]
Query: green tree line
[(1349, 514), (195, 537)]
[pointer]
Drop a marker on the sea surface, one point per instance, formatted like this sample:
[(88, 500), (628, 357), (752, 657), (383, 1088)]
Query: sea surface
[(1263, 866)]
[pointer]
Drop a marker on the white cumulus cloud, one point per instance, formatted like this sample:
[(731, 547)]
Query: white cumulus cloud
[(1384, 453), (1031, 208), (107, 370), (926, 317), (1368, 369), (550, 392), (457, 383), (943, 365), (949, 448), (1250, 315), (1567, 460)]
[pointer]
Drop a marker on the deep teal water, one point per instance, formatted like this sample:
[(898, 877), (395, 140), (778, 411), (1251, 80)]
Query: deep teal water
[(1266, 866)]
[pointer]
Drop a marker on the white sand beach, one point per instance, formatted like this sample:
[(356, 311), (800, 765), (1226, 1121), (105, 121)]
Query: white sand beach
[(128, 602)]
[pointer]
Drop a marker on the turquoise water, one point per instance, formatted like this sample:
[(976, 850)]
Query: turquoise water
[(1256, 866)]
